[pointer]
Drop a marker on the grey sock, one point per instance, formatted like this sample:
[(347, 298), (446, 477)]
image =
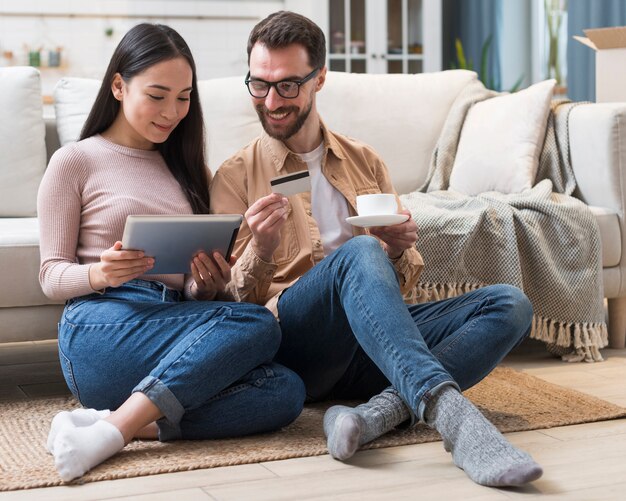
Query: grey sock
[(477, 446), (348, 428)]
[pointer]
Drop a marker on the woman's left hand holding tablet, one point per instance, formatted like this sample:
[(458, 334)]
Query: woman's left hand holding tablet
[(118, 266), (211, 274)]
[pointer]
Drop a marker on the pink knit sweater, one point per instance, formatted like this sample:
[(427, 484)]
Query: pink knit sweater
[(86, 193)]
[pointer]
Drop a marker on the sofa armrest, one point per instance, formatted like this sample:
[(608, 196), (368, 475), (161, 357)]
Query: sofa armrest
[(597, 134)]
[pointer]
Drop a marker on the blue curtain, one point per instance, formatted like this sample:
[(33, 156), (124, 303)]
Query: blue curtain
[(581, 66), (474, 21)]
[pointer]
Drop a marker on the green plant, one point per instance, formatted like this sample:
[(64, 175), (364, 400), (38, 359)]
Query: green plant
[(483, 74)]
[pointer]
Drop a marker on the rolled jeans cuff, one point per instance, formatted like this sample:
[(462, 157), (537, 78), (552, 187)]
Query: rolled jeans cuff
[(435, 387), (161, 396)]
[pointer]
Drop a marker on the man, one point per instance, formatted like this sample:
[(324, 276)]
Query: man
[(338, 292)]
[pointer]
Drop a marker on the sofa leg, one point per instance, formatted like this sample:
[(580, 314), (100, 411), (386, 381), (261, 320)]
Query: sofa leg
[(617, 322)]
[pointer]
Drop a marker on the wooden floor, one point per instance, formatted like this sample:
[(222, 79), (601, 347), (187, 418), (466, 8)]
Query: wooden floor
[(585, 462)]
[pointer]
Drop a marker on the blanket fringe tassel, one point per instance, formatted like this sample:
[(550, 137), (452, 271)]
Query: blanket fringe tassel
[(573, 342)]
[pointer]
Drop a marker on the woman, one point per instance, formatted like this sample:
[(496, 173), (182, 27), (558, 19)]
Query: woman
[(171, 361)]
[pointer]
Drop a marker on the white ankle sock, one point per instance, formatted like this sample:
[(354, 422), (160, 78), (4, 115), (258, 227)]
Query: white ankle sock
[(77, 417), (78, 449)]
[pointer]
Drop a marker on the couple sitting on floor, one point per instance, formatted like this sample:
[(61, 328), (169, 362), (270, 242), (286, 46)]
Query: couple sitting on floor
[(200, 355)]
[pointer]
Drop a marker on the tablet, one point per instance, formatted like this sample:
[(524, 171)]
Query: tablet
[(173, 240)]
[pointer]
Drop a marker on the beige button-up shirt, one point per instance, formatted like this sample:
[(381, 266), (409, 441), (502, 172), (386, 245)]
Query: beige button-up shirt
[(350, 166)]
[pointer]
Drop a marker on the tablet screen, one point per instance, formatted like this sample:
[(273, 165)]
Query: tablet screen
[(174, 240)]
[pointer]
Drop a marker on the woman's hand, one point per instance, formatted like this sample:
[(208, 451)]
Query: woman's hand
[(118, 266), (266, 217), (210, 274)]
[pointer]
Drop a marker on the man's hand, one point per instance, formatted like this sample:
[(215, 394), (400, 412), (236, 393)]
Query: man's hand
[(396, 239), (265, 218), (118, 266), (210, 274)]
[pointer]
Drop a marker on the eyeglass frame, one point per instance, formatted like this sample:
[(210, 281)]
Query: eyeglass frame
[(299, 83)]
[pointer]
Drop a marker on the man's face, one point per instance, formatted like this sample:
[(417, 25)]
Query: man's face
[(281, 117)]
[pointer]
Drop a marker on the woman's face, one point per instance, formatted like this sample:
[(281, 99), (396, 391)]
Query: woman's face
[(153, 103)]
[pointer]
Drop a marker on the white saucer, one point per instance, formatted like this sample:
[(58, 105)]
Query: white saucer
[(377, 220)]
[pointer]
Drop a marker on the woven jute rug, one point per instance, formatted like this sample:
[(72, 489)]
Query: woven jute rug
[(513, 401)]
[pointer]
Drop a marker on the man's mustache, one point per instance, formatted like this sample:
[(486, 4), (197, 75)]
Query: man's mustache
[(285, 109)]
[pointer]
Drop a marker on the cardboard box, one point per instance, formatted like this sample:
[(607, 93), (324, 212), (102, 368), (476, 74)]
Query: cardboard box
[(610, 47)]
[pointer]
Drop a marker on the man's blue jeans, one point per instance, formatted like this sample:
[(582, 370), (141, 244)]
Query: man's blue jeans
[(206, 365), (348, 333)]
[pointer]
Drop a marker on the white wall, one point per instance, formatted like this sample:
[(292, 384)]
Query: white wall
[(315, 10), (216, 31)]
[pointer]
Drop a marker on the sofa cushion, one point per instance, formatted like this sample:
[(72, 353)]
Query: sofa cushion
[(19, 263), (22, 141), (501, 141), (401, 116), (73, 99), (229, 118), (348, 103)]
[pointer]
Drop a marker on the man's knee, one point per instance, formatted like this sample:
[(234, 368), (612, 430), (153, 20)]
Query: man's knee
[(361, 249), (516, 306)]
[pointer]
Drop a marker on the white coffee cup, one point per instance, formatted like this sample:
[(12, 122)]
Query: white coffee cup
[(376, 204)]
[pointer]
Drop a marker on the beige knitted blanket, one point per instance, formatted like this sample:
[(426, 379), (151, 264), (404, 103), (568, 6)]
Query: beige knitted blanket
[(542, 240)]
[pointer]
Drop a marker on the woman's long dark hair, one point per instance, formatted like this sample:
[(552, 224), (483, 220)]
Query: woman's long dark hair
[(142, 47)]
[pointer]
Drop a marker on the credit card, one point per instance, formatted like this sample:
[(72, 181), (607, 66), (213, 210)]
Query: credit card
[(291, 184)]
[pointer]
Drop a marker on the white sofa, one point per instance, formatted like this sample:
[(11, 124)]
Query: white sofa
[(401, 116)]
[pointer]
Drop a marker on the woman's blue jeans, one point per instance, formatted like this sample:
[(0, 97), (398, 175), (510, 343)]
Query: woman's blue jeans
[(348, 333), (206, 365)]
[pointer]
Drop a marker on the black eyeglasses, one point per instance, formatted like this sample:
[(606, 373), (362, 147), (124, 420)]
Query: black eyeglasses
[(289, 89)]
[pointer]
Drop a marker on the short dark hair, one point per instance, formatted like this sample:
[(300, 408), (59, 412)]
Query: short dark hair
[(284, 28), (142, 47)]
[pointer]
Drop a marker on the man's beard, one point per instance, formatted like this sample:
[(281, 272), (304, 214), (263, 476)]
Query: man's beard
[(297, 125)]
